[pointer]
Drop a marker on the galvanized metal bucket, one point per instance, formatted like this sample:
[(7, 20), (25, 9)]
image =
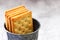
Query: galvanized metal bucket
[(30, 36)]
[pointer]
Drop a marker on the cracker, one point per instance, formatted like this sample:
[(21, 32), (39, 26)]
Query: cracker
[(11, 12), (19, 20), (23, 21), (8, 13), (9, 18), (6, 21)]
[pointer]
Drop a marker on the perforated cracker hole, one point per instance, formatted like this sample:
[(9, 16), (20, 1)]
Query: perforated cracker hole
[(23, 31), (29, 22), (26, 26), (22, 25), (19, 29), (25, 19), (29, 16), (18, 22)]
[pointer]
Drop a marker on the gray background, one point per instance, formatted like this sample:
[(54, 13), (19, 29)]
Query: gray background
[(47, 12)]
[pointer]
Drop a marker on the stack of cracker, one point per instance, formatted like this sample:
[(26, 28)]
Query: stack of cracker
[(19, 20)]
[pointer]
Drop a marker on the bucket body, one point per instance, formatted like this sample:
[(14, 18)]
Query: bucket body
[(31, 36)]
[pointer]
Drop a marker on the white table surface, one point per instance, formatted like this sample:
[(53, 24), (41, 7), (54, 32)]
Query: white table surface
[(46, 12)]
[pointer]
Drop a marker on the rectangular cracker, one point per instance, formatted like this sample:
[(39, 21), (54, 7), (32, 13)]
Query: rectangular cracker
[(6, 21), (22, 21), (10, 13), (9, 19), (13, 16)]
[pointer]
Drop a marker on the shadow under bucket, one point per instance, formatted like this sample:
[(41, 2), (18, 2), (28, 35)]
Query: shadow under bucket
[(30, 36)]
